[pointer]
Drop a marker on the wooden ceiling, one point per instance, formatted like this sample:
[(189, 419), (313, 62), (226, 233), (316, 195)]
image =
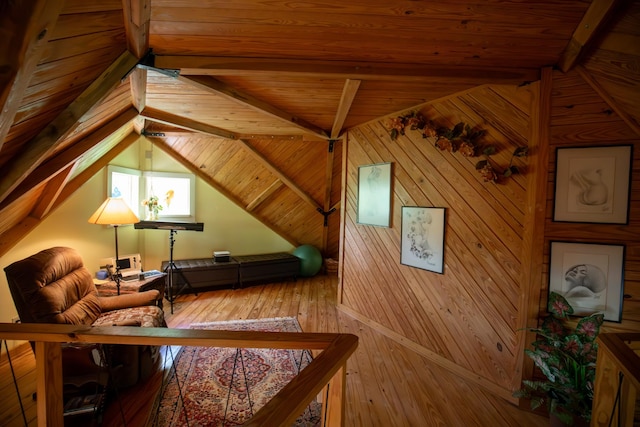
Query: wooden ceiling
[(78, 77)]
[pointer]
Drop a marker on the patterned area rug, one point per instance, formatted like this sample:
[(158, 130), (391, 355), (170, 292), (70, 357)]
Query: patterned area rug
[(226, 386)]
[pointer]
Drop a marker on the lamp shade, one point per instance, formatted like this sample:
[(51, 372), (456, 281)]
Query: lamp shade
[(114, 211)]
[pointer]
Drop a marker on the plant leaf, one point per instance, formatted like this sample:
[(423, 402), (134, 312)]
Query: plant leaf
[(481, 164), (521, 152), (489, 150)]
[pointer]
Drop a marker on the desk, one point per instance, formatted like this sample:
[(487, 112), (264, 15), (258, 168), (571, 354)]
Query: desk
[(108, 288)]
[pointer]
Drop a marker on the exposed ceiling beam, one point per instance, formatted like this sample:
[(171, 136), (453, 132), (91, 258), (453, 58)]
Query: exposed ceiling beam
[(11, 237), (209, 180), (328, 186), (70, 155), (52, 190), (95, 167), (184, 123), (277, 172), (275, 186), (137, 14), (43, 144), (211, 84), (592, 23), (231, 66), (348, 95), (611, 102), (25, 28)]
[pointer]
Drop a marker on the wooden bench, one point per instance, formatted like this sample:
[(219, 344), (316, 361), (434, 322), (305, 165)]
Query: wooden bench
[(204, 274), (207, 274), (264, 267)]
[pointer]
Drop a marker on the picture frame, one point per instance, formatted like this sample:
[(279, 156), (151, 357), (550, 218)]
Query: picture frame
[(374, 195), (593, 184), (422, 238), (590, 276)]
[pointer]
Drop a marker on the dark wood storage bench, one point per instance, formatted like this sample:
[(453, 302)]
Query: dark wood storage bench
[(203, 274), (260, 268), (207, 274)]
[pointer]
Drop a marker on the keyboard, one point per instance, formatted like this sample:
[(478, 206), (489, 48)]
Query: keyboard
[(151, 273)]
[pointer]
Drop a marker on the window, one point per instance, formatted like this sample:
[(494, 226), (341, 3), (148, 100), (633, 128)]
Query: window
[(175, 193), (125, 183)]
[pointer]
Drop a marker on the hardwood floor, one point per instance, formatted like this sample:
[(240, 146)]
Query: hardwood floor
[(387, 385)]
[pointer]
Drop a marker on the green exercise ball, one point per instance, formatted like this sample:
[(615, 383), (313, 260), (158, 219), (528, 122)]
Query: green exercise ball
[(310, 260)]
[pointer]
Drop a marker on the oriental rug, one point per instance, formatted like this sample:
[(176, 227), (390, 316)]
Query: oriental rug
[(227, 386)]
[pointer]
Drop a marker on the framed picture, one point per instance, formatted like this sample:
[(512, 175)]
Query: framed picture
[(590, 276), (593, 184), (374, 194), (423, 238)]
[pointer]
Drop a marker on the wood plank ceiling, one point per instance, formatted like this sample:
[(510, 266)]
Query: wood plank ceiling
[(249, 74)]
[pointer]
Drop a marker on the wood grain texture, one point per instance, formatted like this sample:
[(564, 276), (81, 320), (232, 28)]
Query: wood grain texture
[(468, 315), (385, 383)]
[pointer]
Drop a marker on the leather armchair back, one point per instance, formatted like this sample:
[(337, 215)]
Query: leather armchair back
[(53, 286)]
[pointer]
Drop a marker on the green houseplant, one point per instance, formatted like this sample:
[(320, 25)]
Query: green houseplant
[(567, 358)]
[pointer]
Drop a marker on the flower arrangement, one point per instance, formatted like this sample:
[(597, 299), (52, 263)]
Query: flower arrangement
[(153, 207), (567, 357), (461, 138)]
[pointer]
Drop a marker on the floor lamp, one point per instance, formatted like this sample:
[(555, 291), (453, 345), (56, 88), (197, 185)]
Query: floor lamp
[(114, 211)]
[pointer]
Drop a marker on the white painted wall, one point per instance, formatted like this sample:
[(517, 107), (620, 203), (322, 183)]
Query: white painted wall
[(226, 227)]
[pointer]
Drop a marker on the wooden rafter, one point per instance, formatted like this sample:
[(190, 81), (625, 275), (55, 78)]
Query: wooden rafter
[(12, 236), (277, 172), (137, 14), (25, 28), (275, 186), (43, 144), (52, 190), (196, 171), (615, 106), (211, 84), (67, 157), (346, 100), (231, 66), (592, 23), (95, 167), (184, 123)]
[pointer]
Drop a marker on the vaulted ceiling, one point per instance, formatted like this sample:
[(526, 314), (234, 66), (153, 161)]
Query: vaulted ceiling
[(81, 79)]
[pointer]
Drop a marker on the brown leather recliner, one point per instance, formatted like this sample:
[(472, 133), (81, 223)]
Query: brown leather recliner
[(53, 286)]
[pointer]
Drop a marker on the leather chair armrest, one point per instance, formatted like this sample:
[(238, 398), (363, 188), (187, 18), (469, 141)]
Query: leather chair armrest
[(136, 299)]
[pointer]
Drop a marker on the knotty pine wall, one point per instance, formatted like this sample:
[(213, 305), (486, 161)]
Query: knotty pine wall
[(581, 117), (469, 319)]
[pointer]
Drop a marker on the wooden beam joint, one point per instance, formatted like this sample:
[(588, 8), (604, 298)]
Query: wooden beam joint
[(326, 214)]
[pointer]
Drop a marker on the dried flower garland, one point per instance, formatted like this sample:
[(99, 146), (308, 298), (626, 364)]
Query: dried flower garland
[(461, 138)]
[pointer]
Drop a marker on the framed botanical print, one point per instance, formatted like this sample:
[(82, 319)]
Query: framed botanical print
[(374, 195), (422, 242)]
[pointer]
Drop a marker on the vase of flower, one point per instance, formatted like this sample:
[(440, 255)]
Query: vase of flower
[(153, 207)]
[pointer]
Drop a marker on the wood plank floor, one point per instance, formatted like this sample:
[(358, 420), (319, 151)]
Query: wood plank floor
[(387, 385)]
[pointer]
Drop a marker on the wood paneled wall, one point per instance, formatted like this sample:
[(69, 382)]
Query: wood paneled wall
[(580, 116), (466, 319)]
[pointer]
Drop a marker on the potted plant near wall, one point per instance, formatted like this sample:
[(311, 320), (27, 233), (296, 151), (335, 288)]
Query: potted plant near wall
[(567, 358)]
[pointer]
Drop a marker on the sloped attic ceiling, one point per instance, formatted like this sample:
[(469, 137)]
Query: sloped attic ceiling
[(78, 85)]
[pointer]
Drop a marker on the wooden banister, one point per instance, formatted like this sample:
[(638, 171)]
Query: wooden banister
[(328, 369), (617, 383)]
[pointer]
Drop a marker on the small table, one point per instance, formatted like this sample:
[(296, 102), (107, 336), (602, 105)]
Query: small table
[(108, 287)]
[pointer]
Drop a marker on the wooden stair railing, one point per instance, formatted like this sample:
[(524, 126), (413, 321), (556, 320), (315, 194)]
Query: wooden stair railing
[(328, 369), (617, 383)]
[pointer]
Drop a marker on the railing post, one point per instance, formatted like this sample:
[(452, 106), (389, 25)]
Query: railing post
[(616, 383), (333, 408), (49, 384)]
